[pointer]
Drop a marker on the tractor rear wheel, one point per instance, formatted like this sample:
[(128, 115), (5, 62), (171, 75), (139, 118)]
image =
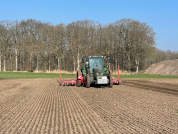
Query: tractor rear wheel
[(87, 81), (84, 81), (110, 79), (78, 82)]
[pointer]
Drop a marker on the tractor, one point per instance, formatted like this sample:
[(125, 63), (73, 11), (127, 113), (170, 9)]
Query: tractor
[(95, 72)]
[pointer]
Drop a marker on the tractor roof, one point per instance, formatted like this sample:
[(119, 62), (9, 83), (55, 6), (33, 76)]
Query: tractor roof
[(97, 56)]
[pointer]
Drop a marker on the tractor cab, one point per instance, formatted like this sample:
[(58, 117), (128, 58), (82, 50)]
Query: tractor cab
[(96, 65)]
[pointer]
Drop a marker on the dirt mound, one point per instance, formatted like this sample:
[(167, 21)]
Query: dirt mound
[(168, 67)]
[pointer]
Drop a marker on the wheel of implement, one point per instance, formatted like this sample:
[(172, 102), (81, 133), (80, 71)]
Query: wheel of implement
[(87, 81), (78, 82), (110, 79)]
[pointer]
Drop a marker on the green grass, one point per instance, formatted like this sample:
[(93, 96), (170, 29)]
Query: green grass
[(145, 76), (28, 75)]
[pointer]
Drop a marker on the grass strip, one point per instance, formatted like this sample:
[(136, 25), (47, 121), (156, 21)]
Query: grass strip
[(29, 75)]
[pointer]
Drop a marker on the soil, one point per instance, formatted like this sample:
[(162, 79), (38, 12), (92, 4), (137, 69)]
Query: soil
[(42, 106), (168, 67)]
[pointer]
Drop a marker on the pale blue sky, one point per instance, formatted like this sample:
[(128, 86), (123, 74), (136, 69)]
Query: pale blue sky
[(162, 15)]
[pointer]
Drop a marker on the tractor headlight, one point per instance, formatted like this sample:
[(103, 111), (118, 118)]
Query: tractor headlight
[(86, 64)]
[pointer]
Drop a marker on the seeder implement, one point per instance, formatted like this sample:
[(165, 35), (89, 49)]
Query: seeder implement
[(72, 83), (68, 82)]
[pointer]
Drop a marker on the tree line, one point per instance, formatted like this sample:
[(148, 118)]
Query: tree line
[(160, 55), (29, 45)]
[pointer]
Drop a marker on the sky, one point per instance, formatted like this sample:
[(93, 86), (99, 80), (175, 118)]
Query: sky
[(161, 15)]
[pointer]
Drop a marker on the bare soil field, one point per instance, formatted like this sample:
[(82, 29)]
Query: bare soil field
[(42, 106)]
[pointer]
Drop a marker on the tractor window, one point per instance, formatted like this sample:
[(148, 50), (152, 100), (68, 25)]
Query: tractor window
[(96, 61)]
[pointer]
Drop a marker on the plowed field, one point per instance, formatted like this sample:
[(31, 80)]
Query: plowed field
[(42, 106)]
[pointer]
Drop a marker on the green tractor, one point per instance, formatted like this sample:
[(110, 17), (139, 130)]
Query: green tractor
[(95, 72)]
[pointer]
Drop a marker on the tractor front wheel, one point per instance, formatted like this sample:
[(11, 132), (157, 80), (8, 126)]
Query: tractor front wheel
[(78, 82), (110, 79), (87, 81)]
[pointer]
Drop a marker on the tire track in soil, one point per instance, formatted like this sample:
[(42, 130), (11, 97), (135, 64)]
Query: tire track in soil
[(106, 111), (170, 89), (52, 109), (139, 127), (164, 88)]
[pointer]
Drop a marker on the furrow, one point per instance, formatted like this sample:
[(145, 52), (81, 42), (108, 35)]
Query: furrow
[(72, 115), (12, 102), (37, 115), (66, 101), (85, 113), (25, 122), (41, 121), (64, 120), (80, 110), (25, 117), (114, 121), (93, 118), (45, 123), (33, 113), (16, 113)]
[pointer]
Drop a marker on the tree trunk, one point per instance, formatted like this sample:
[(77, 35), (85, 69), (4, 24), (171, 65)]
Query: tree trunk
[(49, 65), (58, 64), (4, 63), (31, 64), (116, 66), (137, 70), (74, 65), (11, 63), (23, 66), (45, 68), (137, 63), (16, 59), (37, 64), (78, 60), (122, 62)]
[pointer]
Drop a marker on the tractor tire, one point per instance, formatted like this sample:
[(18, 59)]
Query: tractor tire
[(110, 79), (87, 81), (78, 82), (84, 82)]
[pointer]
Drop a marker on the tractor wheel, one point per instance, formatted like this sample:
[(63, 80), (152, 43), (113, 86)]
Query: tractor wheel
[(78, 82), (84, 81), (110, 79), (87, 81)]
